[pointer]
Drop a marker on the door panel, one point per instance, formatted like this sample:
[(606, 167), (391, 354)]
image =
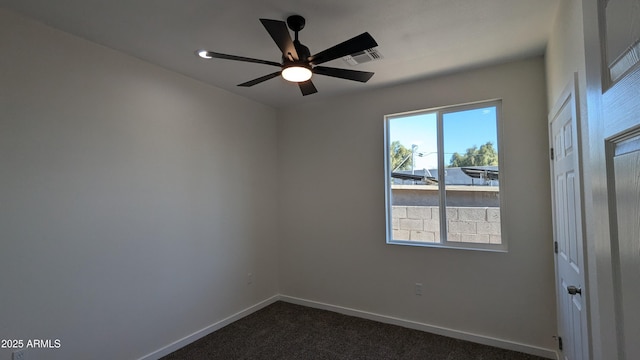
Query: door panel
[(619, 22), (621, 32), (568, 231), (612, 85), (572, 223), (626, 245), (579, 327)]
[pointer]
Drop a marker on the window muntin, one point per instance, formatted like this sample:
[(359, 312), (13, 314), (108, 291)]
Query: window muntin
[(443, 177)]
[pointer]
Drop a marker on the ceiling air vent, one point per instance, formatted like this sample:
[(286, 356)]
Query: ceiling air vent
[(363, 56)]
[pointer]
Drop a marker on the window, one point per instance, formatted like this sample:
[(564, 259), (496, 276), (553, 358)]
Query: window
[(443, 177)]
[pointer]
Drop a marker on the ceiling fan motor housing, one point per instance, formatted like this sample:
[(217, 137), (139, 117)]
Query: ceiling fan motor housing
[(303, 51), (296, 23)]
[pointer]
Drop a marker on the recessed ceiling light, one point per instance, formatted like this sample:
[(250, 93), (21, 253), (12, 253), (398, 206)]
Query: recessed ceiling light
[(204, 54)]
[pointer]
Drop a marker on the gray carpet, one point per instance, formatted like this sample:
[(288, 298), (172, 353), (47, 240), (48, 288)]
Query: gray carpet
[(287, 331)]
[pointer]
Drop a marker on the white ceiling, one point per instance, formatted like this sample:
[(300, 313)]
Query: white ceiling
[(417, 38)]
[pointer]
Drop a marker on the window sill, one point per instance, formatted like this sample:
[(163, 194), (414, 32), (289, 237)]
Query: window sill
[(458, 246)]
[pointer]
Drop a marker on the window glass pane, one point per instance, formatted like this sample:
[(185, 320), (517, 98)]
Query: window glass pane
[(413, 159), (443, 177), (472, 176)]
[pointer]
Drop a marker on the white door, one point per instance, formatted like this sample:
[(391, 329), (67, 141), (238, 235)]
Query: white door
[(568, 227), (626, 245), (620, 31)]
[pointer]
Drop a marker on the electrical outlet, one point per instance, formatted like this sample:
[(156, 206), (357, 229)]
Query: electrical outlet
[(249, 278), (18, 355), (418, 289)]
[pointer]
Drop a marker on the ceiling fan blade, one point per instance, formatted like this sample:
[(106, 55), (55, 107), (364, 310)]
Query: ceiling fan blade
[(241, 58), (280, 34), (362, 76), (260, 79), (307, 88), (359, 43)]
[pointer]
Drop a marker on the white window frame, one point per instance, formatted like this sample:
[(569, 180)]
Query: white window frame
[(440, 112)]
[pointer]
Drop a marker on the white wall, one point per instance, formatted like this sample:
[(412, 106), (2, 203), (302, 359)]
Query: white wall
[(133, 201), (565, 50), (332, 219)]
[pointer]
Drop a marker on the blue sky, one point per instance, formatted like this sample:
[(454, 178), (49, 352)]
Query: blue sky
[(462, 130)]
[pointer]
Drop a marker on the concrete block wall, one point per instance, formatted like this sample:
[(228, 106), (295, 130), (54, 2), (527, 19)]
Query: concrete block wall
[(465, 224)]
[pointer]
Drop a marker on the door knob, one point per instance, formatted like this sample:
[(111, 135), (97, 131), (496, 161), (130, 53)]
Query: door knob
[(574, 290)]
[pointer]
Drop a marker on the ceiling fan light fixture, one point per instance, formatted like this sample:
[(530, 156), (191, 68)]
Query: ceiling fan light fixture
[(297, 73), (204, 54)]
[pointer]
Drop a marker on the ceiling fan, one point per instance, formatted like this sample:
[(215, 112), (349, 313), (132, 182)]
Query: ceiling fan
[(298, 65)]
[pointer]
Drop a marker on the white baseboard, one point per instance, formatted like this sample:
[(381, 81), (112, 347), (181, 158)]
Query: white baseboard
[(166, 350), (461, 335), (456, 334)]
